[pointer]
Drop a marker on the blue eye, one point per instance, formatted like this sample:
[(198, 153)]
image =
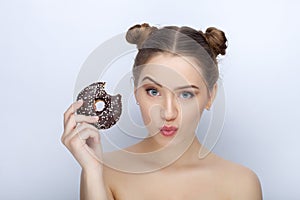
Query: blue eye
[(152, 92), (186, 95)]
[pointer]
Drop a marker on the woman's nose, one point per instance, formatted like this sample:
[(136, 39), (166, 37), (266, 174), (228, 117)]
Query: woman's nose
[(169, 110)]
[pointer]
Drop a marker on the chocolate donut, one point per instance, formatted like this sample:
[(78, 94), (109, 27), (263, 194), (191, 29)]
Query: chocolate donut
[(112, 110)]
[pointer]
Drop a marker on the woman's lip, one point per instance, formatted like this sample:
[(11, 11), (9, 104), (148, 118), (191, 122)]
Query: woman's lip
[(168, 130)]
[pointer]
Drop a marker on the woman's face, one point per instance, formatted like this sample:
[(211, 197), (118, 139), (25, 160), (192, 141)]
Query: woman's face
[(172, 96)]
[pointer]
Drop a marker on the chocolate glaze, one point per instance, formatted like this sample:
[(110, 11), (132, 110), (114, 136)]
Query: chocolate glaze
[(112, 105)]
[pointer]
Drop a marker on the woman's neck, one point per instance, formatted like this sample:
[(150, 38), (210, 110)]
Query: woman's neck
[(185, 153)]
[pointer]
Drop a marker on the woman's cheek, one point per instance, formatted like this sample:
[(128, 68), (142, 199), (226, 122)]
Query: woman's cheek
[(149, 112), (191, 113), (145, 113)]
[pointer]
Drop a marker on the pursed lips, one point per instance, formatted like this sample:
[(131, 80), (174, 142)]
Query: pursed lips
[(168, 130)]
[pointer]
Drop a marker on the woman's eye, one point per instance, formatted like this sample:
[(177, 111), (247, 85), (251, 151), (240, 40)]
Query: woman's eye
[(152, 92), (186, 95)]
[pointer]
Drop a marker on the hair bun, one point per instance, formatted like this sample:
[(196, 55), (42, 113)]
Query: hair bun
[(137, 34), (216, 40)]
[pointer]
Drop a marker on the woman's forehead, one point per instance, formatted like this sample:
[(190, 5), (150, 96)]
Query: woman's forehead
[(172, 71)]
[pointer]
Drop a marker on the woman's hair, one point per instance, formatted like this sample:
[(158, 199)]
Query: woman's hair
[(181, 41)]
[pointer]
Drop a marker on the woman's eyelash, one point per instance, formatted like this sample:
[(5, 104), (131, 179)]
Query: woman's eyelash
[(150, 88), (186, 95), (152, 91)]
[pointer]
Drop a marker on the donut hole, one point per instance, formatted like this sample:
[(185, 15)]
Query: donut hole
[(99, 105)]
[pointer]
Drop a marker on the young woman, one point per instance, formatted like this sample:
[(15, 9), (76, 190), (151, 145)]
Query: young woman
[(175, 74)]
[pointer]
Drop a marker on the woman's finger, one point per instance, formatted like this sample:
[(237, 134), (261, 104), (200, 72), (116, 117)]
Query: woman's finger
[(79, 137), (93, 142), (79, 128), (87, 119), (72, 109), (75, 119), (70, 125), (87, 134)]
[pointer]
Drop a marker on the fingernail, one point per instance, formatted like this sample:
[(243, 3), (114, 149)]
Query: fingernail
[(80, 101)]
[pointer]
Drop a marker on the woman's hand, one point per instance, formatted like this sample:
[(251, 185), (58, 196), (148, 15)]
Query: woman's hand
[(81, 138)]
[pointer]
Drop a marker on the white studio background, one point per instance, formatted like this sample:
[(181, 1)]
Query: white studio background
[(43, 44)]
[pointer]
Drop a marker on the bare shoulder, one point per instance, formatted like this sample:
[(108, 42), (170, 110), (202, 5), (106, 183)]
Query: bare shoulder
[(243, 182), (246, 184)]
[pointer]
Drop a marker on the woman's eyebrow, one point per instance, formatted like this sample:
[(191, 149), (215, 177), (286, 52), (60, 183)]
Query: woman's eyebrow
[(178, 88), (187, 86), (150, 79)]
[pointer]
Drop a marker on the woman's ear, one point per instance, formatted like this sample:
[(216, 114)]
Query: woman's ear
[(212, 95)]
